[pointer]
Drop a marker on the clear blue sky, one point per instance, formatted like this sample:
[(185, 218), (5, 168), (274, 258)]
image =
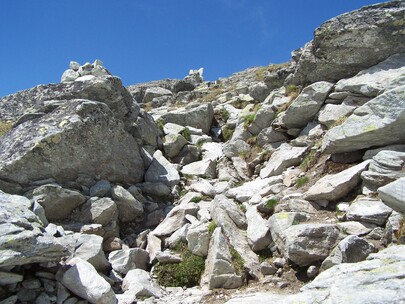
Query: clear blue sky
[(143, 40)]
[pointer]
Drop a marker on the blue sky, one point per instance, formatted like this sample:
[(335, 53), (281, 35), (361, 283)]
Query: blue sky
[(143, 40)]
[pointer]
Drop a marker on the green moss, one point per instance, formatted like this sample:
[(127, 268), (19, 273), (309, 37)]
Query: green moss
[(302, 181), (186, 133), (196, 199), (184, 274), (5, 127), (227, 133), (160, 124), (308, 161), (225, 114), (271, 203), (248, 119), (237, 261), (211, 227)]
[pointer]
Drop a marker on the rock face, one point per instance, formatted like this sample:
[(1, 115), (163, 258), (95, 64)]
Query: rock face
[(393, 195), (354, 41), (377, 123), (77, 137)]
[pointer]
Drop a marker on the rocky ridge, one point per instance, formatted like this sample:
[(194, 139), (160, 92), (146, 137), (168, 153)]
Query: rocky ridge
[(183, 191)]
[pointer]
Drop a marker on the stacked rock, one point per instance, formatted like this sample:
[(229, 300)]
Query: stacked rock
[(76, 70)]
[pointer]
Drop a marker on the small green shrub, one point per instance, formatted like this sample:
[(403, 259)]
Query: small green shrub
[(187, 273), (160, 124), (183, 192), (196, 199), (302, 181), (308, 161), (211, 227), (271, 203), (5, 127), (237, 262), (248, 119), (225, 114), (227, 133), (186, 133)]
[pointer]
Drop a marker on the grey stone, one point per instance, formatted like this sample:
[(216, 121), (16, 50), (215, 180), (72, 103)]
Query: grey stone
[(101, 188), (153, 247), (335, 186), (331, 114), (235, 148), (99, 211), (124, 260), (379, 122), (161, 170), (83, 280), (263, 119), (139, 283), (351, 249), (129, 208), (393, 195), (204, 187), (204, 168), (355, 228), (198, 239), (175, 219), (267, 269), (155, 189), (259, 91), (370, 210), (173, 143), (69, 75), (57, 201), (304, 108), (8, 278), (269, 135), (258, 233), (166, 257), (73, 65)]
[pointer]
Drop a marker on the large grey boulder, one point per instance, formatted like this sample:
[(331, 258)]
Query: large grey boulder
[(175, 219), (57, 202), (200, 117), (304, 108), (106, 89), (379, 122), (198, 239), (285, 156), (162, 171), (22, 237), (76, 137), (145, 129), (153, 92), (332, 187), (83, 280), (351, 42), (379, 279), (99, 211), (219, 271), (393, 195), (206, 168), (351, 249), (258, 233), (263, 119), (173, 143), (369, 210), (129, 208), (377, 79), (126, 259), (139, 283)]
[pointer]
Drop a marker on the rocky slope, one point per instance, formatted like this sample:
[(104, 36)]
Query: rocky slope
[(239, 190)]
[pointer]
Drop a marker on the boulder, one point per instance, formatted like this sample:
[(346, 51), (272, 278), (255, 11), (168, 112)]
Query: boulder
[(83, 280), (259, 91), (77, 137), (200, 117), (332, 187), (69, 75), (162, 171), (331, 114), (235, 148), (258, 233), (23, 239), (219, 271), (263, 119), (146, 130), (378, 278), (57, 202), (304, 108), (377, 79), (153, 247), (125, 260), (175, 219), (269, 135), (153, 92), (198, 239), (139, 283), (378, 123), (393, 195), (351, 249), (99, 211), (100, 188), (129, 208), (369, 210), (204, 187), (285, 156), (351, 42), (173, 143), (205, 168)]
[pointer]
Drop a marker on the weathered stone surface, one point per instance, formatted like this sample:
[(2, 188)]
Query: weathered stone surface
[(200, 117), (235, 148), (153, 92), (166, 257), (335, 186), (355, 228), (258, 233), (69, 75), (263, 119), (99, 211), (8, 278), (153, 247), (57, 201), (83, 280), (285, 156), (351, 249), (375, 80), (127, 259), (161, 170), (77, 137), (332, 113), (175, 219), (129, 208), (204, 187), (393, 195), (370, 210), (100, 188), (308, 243), (379, 278), (198, 239), (304, 108), (145, 129), (379, 122), (219, 272), (22, 238), (259, 91), (139, 283), (206, 168), (268, 136), (173, 144), (351, 42)]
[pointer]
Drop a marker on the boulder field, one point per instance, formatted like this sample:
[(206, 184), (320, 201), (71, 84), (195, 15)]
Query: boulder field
[(278, 184)]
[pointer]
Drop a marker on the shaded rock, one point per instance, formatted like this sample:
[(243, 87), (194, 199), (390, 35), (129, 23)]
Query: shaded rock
[(127, 259), (235, 148), (393, 195), (219, 272), (162, 171), (175, 219), (259, 91), (198, 239), (100, 188), (145, 130), (139, 283), (335, 186), (129, 208), (379, 122), (173, 143), (370, 210), (331, 114), (104, 150), (351, 42), (189, 154), (155, 189), (285, 156), (154, 92), (8, 278), (83, 280), (351, 249), (258, 233), (153, 247), (304, 108), (22, 237), (57, 201), (268, 136), (263, 119), (99, 211)]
